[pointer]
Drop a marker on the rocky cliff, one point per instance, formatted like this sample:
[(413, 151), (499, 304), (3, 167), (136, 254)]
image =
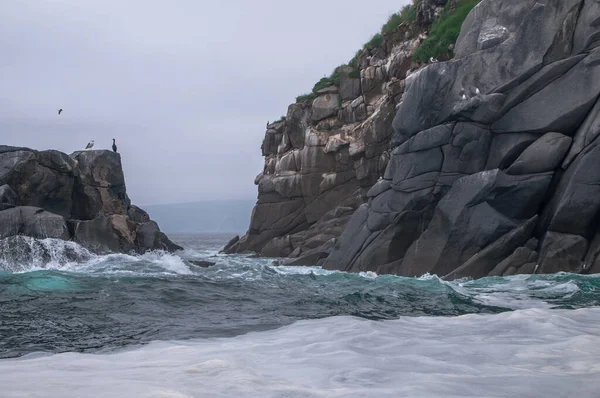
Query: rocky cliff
[(494, 163), (328, 151), (81, 197)]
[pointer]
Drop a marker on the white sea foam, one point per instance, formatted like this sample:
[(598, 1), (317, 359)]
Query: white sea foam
[(526, 353)]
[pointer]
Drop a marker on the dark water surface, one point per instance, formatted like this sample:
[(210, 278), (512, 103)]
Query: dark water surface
[(102, 303)]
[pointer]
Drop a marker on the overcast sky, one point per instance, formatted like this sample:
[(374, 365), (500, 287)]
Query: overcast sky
[(185, 86)]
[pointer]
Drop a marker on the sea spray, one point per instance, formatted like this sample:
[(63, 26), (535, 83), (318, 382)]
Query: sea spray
[(23, 253), (254, 329)]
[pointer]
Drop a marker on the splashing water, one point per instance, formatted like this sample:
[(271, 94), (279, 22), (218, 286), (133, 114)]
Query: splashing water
[(57, 297)]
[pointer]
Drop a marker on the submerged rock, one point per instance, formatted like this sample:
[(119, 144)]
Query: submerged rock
[(202, 263)]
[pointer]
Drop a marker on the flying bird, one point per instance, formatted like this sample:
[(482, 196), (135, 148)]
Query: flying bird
[(114, 146), (90, 145), (59, 111)]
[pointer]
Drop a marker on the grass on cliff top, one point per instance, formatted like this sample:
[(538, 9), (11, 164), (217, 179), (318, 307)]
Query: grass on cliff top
[(305, 97), (444, 32), (408, 13), (332, 80)]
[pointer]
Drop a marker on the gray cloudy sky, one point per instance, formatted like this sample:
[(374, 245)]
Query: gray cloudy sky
[(185, 86)]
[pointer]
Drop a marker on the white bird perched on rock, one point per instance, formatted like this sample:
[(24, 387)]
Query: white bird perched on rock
[(477, 92), (90, 145), (462, 94), (432, 60)]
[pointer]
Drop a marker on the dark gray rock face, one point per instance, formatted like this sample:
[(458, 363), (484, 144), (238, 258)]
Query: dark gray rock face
[(8, 197), (484, 165), (230, 244), (33, 222), (481, 264), (203, 263), (477, 211), (349, 86), (41, 179), (521, 258), (278, 247), (563, 252), (495, 166), (542, 156), (138, 215), (100, 185), (81, 197)]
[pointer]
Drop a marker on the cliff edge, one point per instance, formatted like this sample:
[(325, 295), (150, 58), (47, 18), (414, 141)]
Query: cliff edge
[(332, 146), (81, 197)]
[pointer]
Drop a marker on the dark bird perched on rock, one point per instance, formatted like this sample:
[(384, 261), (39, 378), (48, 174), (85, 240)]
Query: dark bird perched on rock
[(114, 146), (59, 111), (90, 145)]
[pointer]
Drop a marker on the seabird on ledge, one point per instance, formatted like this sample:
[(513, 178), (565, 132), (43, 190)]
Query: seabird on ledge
[(90, 145), (114, 146)]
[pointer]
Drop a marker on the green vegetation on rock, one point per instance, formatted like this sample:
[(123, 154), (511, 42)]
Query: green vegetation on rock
[(332, 80), (354, 74), (305, 97), (444, 32), (408, 13), (375, 42)]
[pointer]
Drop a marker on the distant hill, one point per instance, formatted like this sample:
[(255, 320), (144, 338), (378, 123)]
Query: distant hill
[(209, 216)]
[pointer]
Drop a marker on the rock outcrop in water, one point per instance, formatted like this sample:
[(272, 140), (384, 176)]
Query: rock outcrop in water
[(82, 197), (494, 163)]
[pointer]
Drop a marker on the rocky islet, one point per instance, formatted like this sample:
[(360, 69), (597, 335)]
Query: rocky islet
[(81, 197)]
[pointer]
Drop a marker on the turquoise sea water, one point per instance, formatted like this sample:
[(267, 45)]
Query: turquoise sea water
[(245, 315)]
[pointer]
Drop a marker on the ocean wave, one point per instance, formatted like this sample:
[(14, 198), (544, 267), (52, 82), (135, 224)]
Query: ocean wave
[(534, 352), (22, 254)]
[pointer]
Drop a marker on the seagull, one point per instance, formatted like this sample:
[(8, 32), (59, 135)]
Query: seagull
[(462, 94), (90, 145), (477, 91), (59, 111), (114, 146), (432, 60)]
